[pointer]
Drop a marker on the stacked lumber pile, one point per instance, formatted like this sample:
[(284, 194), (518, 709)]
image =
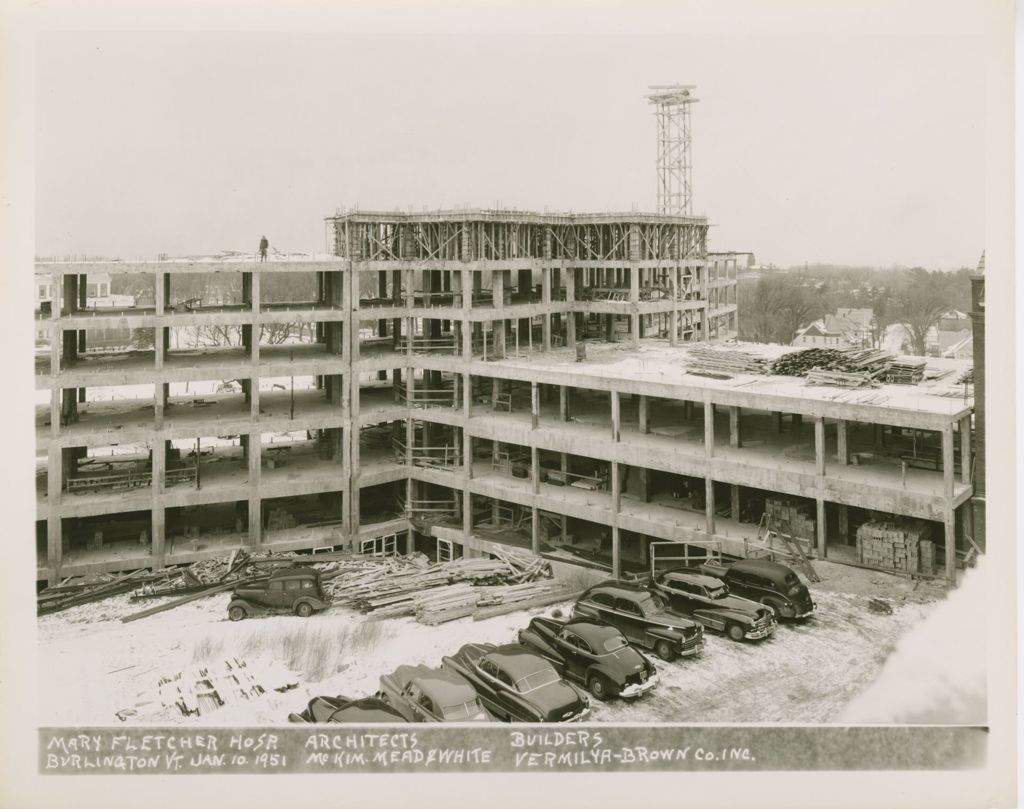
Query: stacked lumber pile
[(724, 363), (905, 371), (839, 379), (902, 546), (850, 361), (200, 691), (409, 585), (68, 594)]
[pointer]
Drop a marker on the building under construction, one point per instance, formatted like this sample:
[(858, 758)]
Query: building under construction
[(458, 379), (454, 380)]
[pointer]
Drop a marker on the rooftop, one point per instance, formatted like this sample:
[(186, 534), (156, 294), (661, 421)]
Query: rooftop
[(655, 361), (511, 215)]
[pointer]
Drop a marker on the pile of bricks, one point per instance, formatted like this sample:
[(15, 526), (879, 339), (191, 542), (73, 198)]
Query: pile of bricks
[(902, 546), (794, 519)]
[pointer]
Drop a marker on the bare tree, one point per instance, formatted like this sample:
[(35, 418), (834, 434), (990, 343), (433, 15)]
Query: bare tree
[(918, 304)]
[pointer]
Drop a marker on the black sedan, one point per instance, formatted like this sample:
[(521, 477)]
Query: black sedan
[(343, 710), (517, 685), (707, 600), (591, 653)]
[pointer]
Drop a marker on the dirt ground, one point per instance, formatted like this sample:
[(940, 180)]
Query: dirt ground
[(92, 666)]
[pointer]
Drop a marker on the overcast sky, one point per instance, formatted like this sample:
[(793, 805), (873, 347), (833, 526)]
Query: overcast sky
[(850, 142)]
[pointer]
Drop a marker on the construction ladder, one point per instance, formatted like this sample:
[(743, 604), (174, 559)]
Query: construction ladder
[(772, 527)]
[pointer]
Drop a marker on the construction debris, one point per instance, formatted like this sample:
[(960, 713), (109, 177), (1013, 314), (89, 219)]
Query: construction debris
[(723, 363), (905, 371), (868, 361), (203, 690), (839, 379)]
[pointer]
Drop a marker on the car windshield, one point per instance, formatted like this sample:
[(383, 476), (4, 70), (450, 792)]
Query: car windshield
[(614, 643), (466, 710), (651, 603), (718, 592), (536, 680)]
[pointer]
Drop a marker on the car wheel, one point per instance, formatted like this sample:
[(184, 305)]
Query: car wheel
[(735, 632), (599, 687), (665, 650), (303, 609), (236, 613)]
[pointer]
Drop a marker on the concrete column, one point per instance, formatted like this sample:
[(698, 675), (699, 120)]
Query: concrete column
[(570, 316), (54, 530), (255, 293), (535, 469), (709, 506), (844, 523), (534, 405), (158, 293), (563, 403), (819, 446), (535, 530), (467, 517), (709, 429), (616, 488), (965, 450), (545, 292), (734, 502), (949, 524), (735, 439), (777, 421), (616, 415), (158, 529), (947, 460), (255, 478), (616, 554), (645, 484), (842, 446), (642, 416), (822, 534)]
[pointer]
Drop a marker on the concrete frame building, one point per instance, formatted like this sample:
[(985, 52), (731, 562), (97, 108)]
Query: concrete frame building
[(503, 377)]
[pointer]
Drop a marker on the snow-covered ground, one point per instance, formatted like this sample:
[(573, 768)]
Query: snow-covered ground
[(92, 665)]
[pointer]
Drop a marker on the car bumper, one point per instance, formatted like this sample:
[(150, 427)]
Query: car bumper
[(692, 650), (638, 689), (807, 614), (578, 717), (761, 632)]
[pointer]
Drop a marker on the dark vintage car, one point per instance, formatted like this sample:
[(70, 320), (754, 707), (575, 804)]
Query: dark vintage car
[(770, 583), (294, 589), (643, 617), (517, 685), (342, 710), (706, 599), (593, 654), (423, 694)]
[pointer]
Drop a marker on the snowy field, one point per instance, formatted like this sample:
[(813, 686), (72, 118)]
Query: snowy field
[(92, 665)]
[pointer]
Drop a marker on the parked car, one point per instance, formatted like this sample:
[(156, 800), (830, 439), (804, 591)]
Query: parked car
[(342, 710), (423, 694), (770, 583), (593, 654), (706, 599), (294, 589), (643, 617), (517, 685)]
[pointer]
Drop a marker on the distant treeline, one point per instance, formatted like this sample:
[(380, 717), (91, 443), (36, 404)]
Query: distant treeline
[(775, 305)]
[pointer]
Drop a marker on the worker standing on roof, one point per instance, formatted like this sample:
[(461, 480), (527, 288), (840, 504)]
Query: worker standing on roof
[(264, 244)]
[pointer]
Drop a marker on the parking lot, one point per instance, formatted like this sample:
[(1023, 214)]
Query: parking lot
[(92, 665)]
